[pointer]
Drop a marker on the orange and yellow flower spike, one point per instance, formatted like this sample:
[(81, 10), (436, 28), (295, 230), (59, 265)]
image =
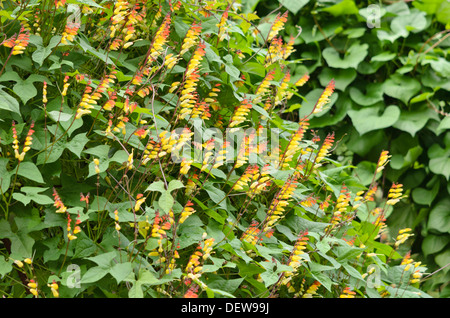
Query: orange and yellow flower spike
[(277, 25), (324, 97)]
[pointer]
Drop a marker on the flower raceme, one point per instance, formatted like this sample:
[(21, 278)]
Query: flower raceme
[(27, 145), (263, 87), (69, 33), (325, 148), (222, 25), (241, 112), (295, 259), (277, 25), (160, 39), (58, 202), (191, 38), (395, 194), (280, 202), (188, 97), (383, 160), (294, 145), (324, 97), (18, 44)]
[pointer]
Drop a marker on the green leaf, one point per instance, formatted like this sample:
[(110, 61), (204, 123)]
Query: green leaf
[(351, 59), (440, 158), (84, 246), (166, 201), (58, 116), (443, 14), (342, 8), (84, 44), (414, 120), (371, 96), (29, 170), (216, 195), (444, 124), (175, 184), (443, 258), (383, 57), (369, 118), (5, 177), (5, 266), (428, 6), (156, 186), (224, 287), (94, 274), (90, 3), (121, 270), (342, 77), (439, 219), (21, 243), (401, 87), (293, 5), (434, 243), (424, 196), (413, 22), (400, 161), (32, 193), (42, 52), (23, 88), (8, 102), (103, 260), (77, 143)]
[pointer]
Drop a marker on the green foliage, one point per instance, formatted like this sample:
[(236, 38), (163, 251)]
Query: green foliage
[(391, 67), (114, 182)]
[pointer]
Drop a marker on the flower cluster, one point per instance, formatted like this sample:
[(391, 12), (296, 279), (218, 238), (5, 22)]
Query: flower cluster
[(188, 96), (294, 145), (191, 38), (395, 194), (69, 33), (347, 293), (222, 25), (324, 97), (71, 234), (402, 236), (277, 25), (341, 207), (58, 202), (263, 88), (325, 148), (18, 44), (27, 145), (194, 266), (187, 211), (240, 113), (382, 161), (280, 202), (312, 290), (295, 259)]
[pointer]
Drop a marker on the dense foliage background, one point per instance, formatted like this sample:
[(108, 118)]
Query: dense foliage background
[(390, 60), (203, 149)]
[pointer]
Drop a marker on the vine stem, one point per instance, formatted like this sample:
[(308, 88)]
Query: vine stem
[(65, 256)]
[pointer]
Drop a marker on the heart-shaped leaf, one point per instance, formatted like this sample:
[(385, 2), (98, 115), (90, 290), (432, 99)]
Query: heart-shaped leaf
[(352, 57), (414, 120), (440, 158), (401, 87), (342, 77), (369, 118), (373, 94)]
